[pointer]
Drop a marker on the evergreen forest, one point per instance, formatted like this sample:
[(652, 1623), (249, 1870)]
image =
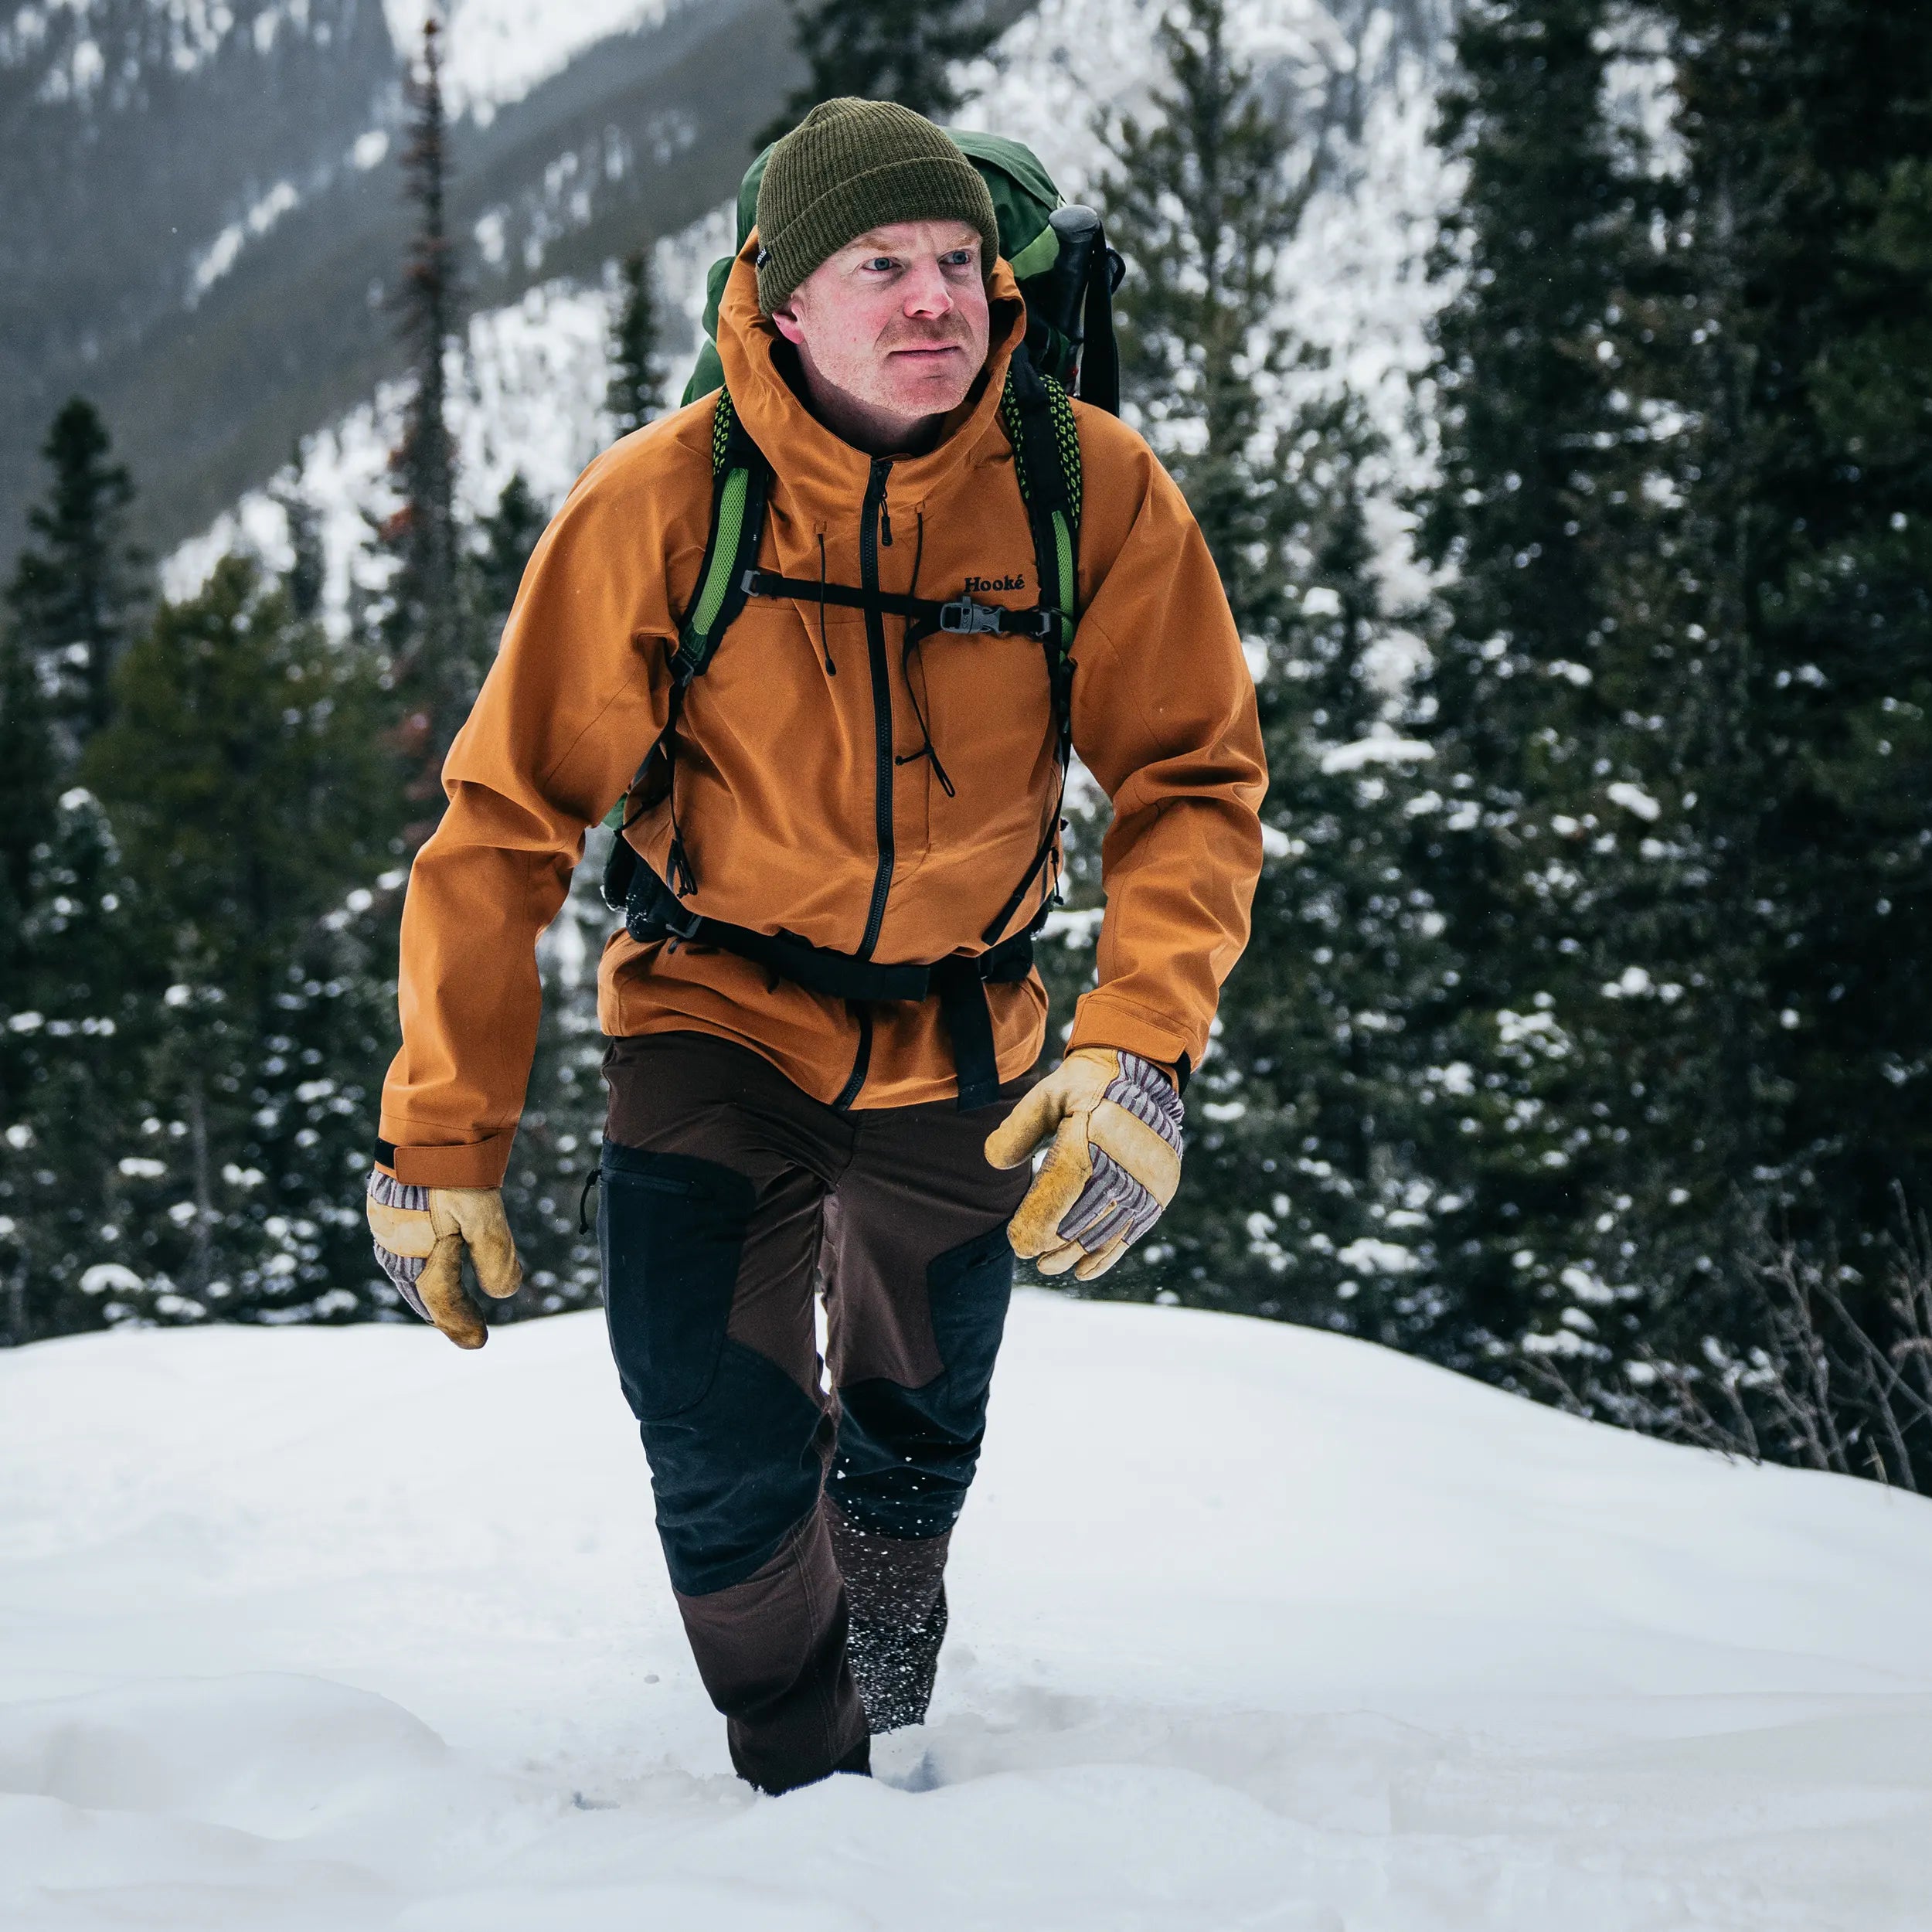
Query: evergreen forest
[(1583, 1041)]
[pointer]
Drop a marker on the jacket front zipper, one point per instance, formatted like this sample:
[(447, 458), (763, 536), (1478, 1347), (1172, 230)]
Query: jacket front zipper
[(871, 515), (882, 700)]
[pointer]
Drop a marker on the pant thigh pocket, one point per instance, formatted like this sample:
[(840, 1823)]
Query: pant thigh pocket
[(672, 1228)]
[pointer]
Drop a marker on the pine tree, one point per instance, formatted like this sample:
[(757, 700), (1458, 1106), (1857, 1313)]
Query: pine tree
[(307, 577), (1203, 200), (1559, 852), (30, 782), (884, 50), (505, 539), (76, 1025), (1681, 686), (75, 593), (69, 947), (1807, 169), (437, 667), (561, 1131), (1321, 1197), (636, 393), (1301, 1197), (254, 794)]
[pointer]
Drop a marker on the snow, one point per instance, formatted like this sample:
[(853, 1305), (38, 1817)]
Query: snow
[(1254, 1627), (495, 51), (1633, 798), (1381, 747), (220, 256), (526, 392)]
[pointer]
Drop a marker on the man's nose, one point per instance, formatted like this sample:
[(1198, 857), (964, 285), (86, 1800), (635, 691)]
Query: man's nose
[(926, 290)]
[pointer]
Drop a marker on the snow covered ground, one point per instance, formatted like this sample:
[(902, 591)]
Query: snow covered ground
[(1253, 1627)]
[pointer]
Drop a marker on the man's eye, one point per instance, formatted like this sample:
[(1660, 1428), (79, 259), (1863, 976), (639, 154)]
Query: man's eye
[(959, 258), (882, 261)]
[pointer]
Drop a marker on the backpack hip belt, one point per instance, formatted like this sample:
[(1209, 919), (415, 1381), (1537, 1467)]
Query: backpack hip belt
[(654, 912)]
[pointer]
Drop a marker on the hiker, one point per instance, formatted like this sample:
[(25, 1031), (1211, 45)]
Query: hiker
[(842, 775)]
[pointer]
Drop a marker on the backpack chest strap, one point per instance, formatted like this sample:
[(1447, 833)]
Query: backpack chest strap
[(957, 617)]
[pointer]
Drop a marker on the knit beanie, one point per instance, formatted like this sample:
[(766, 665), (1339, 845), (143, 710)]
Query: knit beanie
[(851, 165)]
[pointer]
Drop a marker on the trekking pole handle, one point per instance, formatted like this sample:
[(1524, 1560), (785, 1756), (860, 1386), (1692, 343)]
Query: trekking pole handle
[(1079, 229)]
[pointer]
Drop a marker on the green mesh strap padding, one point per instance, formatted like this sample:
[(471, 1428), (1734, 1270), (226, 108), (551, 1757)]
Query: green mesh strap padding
[(1065, 528), (1067, 441), (732, 482), (1063, 548), (724, 552)]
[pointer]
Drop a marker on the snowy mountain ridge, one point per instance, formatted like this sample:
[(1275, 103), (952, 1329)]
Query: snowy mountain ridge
[(531, 391), (499, 48)]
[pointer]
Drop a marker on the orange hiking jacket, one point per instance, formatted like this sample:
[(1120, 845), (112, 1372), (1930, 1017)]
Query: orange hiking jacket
[(781, 790)]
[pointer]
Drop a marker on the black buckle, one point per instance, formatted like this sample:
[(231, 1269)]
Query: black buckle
[(652, 905), (678, 918), (963, 618)]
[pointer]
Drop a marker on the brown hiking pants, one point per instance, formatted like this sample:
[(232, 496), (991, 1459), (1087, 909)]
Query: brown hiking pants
[(805, 1529)]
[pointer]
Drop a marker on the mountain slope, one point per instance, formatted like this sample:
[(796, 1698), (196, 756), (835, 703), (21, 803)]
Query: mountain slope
[(532, 392), (219, 298), (1253, 1626)]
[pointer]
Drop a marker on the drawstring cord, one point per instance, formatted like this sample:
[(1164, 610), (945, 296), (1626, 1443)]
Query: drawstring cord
[(912, 640)]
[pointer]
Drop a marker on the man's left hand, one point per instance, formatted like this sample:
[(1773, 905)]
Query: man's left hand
[(421, 1235), (1115, 1119)]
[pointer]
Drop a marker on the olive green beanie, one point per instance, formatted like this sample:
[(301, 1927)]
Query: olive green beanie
[(851, 165)]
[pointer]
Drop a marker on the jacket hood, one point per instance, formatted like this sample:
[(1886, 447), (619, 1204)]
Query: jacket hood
[(808, 456)]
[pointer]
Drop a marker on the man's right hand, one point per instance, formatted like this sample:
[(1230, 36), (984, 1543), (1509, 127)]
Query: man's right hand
[(421, 1235)]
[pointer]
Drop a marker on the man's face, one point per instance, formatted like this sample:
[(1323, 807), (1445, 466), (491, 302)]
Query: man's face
[(892, 329)]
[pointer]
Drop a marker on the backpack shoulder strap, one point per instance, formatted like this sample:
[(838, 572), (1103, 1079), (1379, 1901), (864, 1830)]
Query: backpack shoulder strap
[(1039, 422), (741, 483)]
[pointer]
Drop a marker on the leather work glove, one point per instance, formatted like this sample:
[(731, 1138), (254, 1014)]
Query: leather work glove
[(420, 1234), (1115, 1164)]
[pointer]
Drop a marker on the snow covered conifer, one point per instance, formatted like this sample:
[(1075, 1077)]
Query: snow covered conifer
[(636, 393), (1681, 683), (256, 798), (73, 1036), (1300, 1197), (502, 545), (1556, 849), (884, 50), (75, 595), (427, 628)]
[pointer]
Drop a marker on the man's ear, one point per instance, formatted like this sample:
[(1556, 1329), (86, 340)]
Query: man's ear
[(786, 322)]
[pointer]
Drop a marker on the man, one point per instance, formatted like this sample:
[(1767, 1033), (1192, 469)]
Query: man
[(869, 792)]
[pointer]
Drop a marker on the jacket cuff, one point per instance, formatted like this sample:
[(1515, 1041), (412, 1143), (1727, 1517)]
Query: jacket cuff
[(476, 1163), (1104, 1019)]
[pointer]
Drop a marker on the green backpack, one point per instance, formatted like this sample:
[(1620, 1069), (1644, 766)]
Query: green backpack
[(1070, 277)]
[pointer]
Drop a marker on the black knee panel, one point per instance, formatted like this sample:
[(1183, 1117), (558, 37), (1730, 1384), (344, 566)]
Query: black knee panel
[(907, 1456), (732, 1439)]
